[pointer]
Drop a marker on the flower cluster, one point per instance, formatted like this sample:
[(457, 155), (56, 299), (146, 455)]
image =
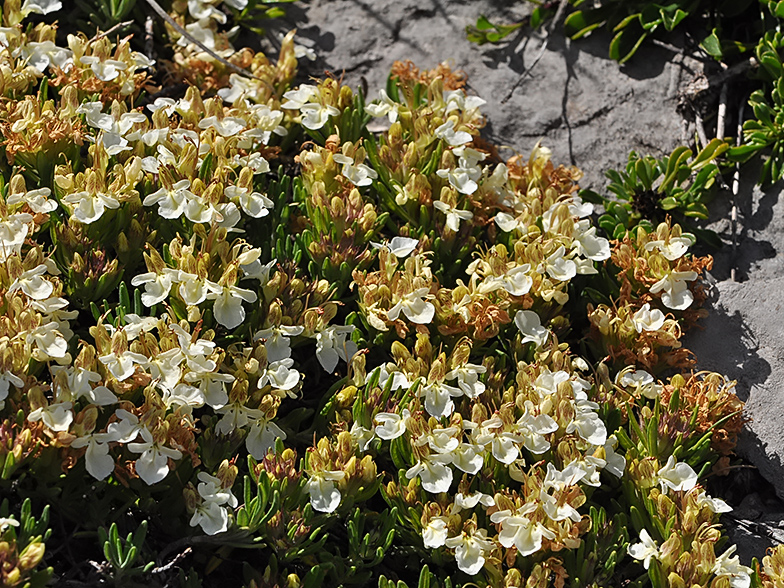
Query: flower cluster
[(199, 287)]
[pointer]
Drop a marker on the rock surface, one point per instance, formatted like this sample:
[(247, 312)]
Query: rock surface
[(592, 112)]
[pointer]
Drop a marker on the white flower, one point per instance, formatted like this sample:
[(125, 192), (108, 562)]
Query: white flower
[(210, 514), (279, 375), (122, 366), (587, 423), (558, 267), (106, 70), (587, 244), (254, 204), (615, 463), (452, 138), (6, 522), (435, 475), (468, 379), (211, 517), (646, 319), (739, 575), (88, 208), (125, 429), (532, 429), (384, 107), (236, 416), (507, 223), (79, 383), (453, 215), (469, 457), (212, 385), (324, 496), (516, 281), (38, 200), (518, 530), (300, 51), (42, 55), (677, 476), (228, 308), (316, 115), (171, 201), (156, 286), (58, 416), (153, 465), (390, 425), (672, 249), (32, 284), (332, 344), (717, 505), (470, 550), (199, 9), (41, 6), (460, 179), (675, 290), (530, 326), (438, 398), (193, 290), (226, 127), (457, 100), (362, 436), (414, 306), (6, 379), (97, 461), (400, 247), (262, 437), (277, 341), (296, 99), (49, 340), (642, 381), (435, 533), (359, 175), (469, 501), (13, 232), (645, 549)]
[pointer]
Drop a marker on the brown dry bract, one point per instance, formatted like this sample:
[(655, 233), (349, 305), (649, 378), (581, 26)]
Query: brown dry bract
[(407, 71)]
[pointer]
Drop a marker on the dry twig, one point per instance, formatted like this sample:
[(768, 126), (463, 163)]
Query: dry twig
[(559, 13)]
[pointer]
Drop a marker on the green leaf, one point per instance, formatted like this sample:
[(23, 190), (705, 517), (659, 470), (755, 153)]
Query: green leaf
[(712, 46), (625, 44), (580, 23), (711, 151)]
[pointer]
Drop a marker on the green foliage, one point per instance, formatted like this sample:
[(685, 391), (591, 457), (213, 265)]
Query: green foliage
[(22, 546), (122, 554), (486, 32), (764, 134), (631, 22), (426, 580), (680, 185)]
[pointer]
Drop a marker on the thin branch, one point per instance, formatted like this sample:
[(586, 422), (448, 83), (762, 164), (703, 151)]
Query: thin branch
[(149, 45), (177, 559), (162, 13), (556, 19), (700, 129), (722, 112), (116, 27), (735, 190)]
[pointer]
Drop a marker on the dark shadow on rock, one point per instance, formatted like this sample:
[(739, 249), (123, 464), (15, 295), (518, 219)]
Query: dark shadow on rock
[(724, 343), (509, 53), (755, 213), (648, 62), (395, 29)]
